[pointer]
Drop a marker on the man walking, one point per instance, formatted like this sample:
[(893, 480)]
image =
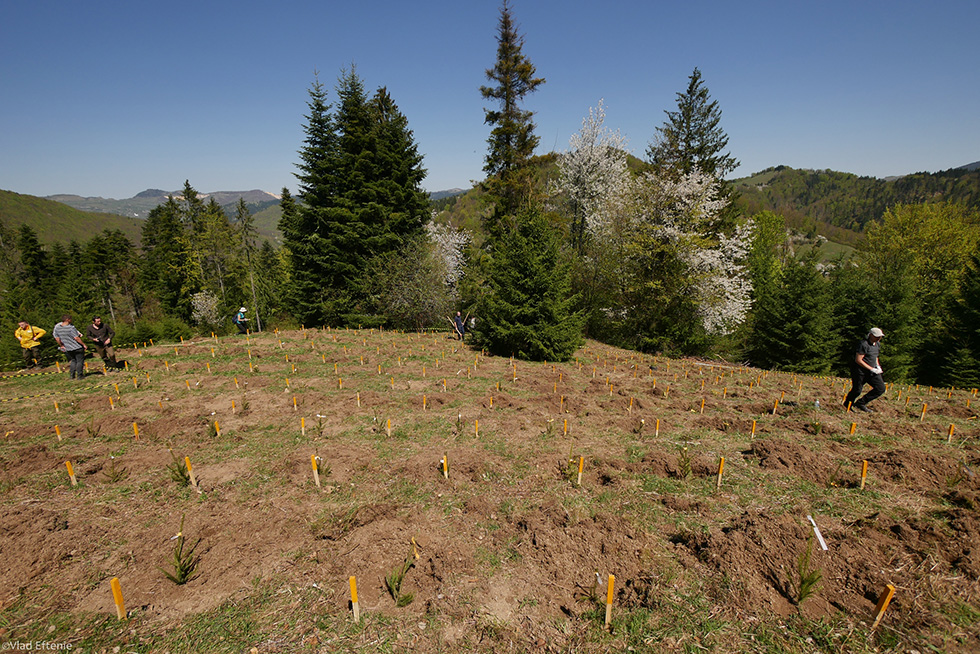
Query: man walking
[(70, 342), (102, 334), (29, 337), (866, 369)]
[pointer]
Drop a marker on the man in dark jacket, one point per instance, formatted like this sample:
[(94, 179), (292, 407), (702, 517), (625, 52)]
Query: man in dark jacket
[(866, 369), (102, 334)]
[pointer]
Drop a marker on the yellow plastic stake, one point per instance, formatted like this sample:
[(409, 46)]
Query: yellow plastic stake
[(302, 426), (476, 429), (353, 599), (236, 382), (57, 432), (721, 469), (753, 430), (358, 399), (922, 416), (340, 382), (217, 428), (250, 368), (190, 471), (949, 439), (388, 428), (136, 431), (609, 600), (445, 466), (208, 366), (775, 407), (565, 432), (883, 600), (112, 405), (656, 431), (702, 405), (71, 473), (118, 598), (116, 386), (316, 472), (581, 465), (188, 383), (57, 410), (295, 408), (864, 473), (853, 427), (491, 401), (233, 406)]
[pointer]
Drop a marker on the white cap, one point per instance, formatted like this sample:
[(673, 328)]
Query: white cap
[(243, 309), (877, 333)]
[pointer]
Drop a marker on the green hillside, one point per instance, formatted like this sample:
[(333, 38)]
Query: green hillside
[(56, 222), (840, 205)]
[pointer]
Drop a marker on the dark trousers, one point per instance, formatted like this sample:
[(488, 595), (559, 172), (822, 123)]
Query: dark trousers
[(32, 357), (107, 353), (76, 363), (242, 327), (859, 377)]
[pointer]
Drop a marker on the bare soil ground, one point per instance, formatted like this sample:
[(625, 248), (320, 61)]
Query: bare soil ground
[(509, 552)]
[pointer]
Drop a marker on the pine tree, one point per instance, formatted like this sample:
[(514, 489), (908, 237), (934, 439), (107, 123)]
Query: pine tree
[(692, 138), (512, 140), (528, 308)]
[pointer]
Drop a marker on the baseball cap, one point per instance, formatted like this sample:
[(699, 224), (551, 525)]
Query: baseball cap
[(877, 333)]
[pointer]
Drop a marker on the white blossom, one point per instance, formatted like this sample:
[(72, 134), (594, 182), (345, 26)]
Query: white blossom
[(593, 172), (450, 244)]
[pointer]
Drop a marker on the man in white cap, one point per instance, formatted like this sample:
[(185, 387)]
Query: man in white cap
[(241, 321), (866, 369)]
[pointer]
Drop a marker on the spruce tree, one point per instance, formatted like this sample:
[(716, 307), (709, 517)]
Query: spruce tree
[(961, 359), (527, 310), (512, 140)]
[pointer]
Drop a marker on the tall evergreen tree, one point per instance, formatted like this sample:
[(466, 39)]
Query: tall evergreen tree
[(512, 140), (961, 359), (528, 309), (692, 138), (247, 235)]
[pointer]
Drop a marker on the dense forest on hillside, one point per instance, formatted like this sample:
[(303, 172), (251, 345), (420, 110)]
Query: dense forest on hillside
[(809, 198)]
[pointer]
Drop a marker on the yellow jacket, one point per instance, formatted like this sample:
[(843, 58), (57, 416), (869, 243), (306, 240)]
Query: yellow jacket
[(29, 337)]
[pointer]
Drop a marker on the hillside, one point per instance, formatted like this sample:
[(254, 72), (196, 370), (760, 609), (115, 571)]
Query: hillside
[(836, 203), (480, 504), (57, 222)]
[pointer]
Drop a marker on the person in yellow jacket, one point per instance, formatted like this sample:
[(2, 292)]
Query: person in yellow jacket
[(29, 337)]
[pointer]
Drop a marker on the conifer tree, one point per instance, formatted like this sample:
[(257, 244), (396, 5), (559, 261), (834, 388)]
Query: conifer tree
[(961, 360), (512, 140), (528, 308)]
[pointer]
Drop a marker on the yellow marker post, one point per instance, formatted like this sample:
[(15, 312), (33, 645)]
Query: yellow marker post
[(316, 472), (188, 383), (581, 465), (775, 407), (136, 431), (853, 427), (702, 405), (864, 473), (340, 382), (233, 406), (656, 430), (353, 600), (57, 410), (112, 405), (721, 469), (71, 473), (57, 432), (445, 466), (949, 439), (302, 426), (118, 598), (476, 428), (217, 428), (565, 428), (752, 435), (922, 416), (358, 399), (609, 600), (388, 428), (883, 601), (190, 471), (295, 408), (424, 402)]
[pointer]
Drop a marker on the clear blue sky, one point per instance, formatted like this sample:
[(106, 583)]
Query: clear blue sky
[(108, 98)]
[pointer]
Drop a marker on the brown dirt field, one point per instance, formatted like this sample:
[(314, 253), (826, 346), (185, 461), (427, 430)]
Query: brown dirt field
[(513, 554)]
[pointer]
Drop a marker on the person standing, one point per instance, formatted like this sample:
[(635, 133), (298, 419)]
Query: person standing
[(70, 342), (459, 325), (29, 337), (102, 335), (866, 369)]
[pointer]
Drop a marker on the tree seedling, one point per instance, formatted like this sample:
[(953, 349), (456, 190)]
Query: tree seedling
[(178, 472), (183, 560), (114, 472), (394, 579), (684, 462), (807, 579)]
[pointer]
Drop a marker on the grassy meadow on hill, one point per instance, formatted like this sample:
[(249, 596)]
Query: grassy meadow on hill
[(450, 487)]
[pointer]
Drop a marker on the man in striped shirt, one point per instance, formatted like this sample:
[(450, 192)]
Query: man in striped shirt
[(70, 342)]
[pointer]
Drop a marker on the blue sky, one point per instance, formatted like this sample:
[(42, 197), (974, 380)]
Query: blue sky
[(108, 98)]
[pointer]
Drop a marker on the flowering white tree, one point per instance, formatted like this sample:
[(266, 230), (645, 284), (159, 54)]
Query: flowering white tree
[(684, 265), (450, 246), (594, 176)]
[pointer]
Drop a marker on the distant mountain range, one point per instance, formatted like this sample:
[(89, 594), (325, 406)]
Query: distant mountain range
[(140, 205)]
